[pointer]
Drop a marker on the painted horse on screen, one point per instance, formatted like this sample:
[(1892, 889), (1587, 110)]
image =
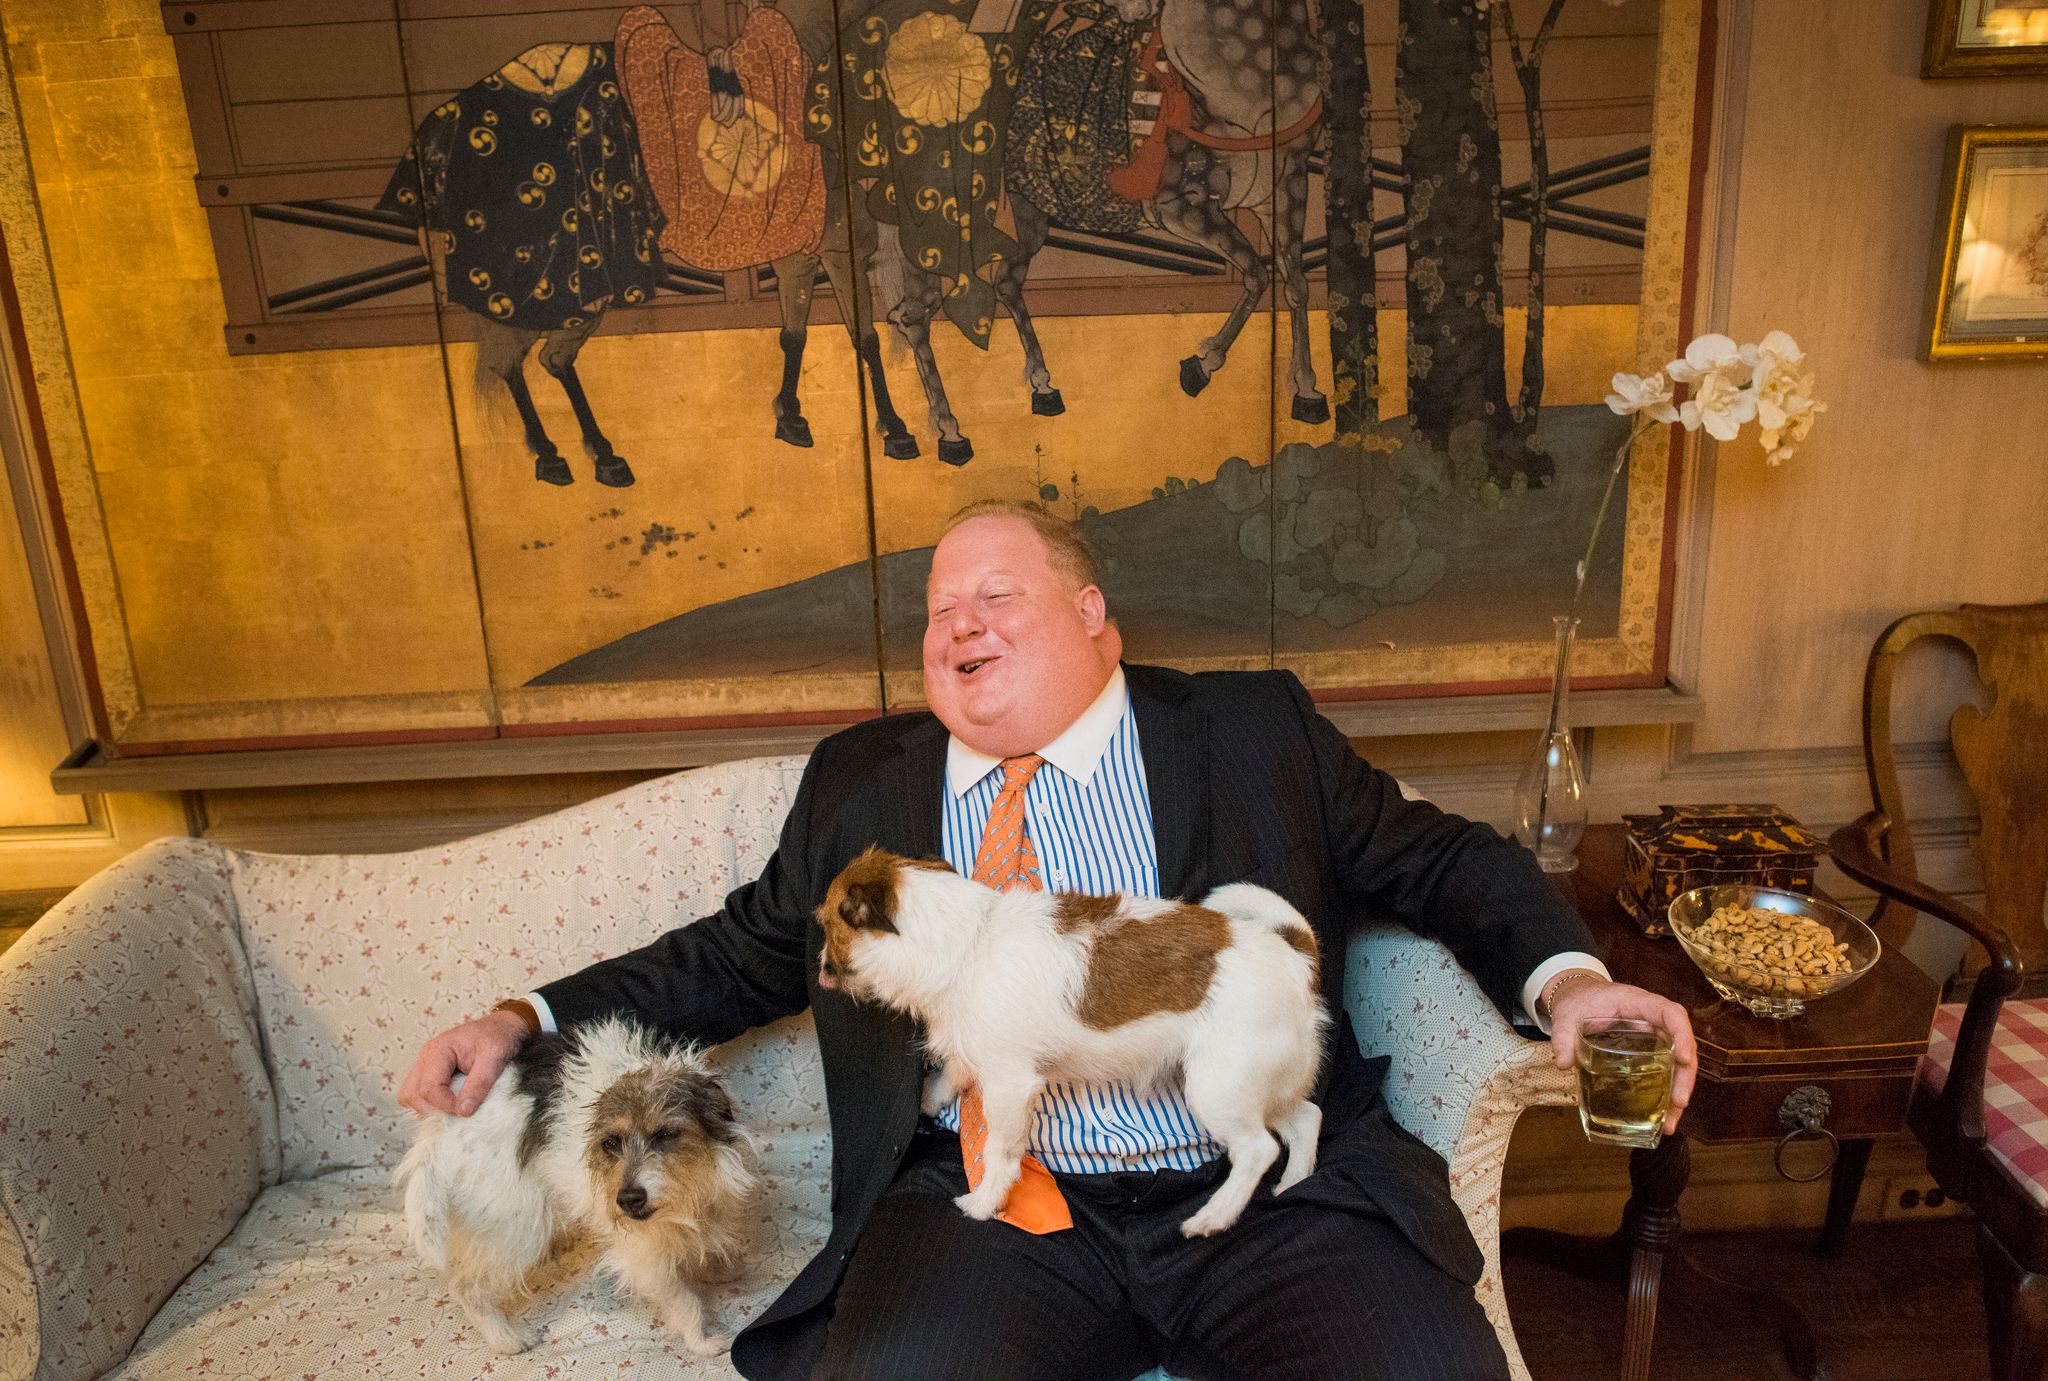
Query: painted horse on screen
[(1238, 102)]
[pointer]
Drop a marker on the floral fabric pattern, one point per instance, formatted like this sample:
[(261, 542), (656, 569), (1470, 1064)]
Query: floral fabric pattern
[(1459, 1079), (135, 1114), (358, 961)]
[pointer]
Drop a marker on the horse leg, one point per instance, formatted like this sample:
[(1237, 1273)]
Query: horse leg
[(1033, 225), (848, 274), (558, 357), (1190, 205), (793, 278), (501, 355), (913, 318), (1289, 212)]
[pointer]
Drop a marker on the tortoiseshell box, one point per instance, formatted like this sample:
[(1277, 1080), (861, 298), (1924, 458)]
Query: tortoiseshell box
[(1683, 847)]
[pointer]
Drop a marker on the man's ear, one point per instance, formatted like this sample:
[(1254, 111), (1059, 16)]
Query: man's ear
[(1094, 609)]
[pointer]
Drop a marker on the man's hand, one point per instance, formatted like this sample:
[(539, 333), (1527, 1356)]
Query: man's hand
[(476, 1049), (1578, 996)]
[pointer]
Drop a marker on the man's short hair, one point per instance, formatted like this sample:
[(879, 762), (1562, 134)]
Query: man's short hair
[(1071, 555)]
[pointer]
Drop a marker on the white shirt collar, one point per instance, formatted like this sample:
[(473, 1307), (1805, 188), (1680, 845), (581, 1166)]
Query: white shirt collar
[(1077, 752)]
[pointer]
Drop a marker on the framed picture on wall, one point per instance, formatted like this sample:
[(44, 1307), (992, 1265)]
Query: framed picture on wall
[(1988, 288), (1986, 38)]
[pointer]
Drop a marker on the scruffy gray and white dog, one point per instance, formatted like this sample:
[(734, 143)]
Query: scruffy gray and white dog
[(608, 1133)]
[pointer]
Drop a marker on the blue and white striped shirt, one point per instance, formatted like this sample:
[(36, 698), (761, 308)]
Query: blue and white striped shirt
[(1090, 819)]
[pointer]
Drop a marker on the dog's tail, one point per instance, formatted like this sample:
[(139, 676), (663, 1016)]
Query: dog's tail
[(426, 1201), (1254, 905)]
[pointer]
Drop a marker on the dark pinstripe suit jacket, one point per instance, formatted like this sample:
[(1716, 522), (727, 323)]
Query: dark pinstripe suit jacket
[(1247, 783)]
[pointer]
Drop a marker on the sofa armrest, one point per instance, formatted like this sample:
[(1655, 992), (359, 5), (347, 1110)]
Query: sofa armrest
[(1459, 1077), (136, 1116)]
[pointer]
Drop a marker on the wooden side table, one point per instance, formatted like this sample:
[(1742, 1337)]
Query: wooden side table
[(1842, 1071)]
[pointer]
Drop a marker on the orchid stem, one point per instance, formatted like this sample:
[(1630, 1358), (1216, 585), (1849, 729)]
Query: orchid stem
[(1621, 457)]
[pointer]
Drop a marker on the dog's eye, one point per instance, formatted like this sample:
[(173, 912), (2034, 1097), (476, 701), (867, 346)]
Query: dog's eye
[(666, 1136), (612, 1144)]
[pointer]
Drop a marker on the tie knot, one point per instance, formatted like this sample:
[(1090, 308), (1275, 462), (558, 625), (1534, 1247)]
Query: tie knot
[(1017, 771)]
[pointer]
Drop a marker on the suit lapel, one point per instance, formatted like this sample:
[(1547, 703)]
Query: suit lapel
[(909, 811), (1173, 739), (907, 821)]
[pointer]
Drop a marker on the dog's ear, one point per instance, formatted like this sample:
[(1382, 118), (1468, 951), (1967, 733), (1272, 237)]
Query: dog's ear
[(868, 906)]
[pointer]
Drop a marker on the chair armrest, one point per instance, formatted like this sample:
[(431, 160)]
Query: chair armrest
[(1855, 847), (136, 1116), (1409, 1000), (1459, 1078)]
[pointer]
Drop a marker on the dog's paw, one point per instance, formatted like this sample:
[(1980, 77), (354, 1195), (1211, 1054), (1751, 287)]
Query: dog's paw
[(506, 1338), (709, 1344), (979, 1206), (1207, 1223)]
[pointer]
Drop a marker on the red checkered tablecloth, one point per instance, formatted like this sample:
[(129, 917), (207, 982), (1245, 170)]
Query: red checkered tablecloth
[(2015, 1086)]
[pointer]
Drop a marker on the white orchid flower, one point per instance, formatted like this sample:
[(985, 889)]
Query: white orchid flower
[(1633, 394), (1711, 352), (1719, 403), (1775, 346), (1781, 388), (1794, 419)]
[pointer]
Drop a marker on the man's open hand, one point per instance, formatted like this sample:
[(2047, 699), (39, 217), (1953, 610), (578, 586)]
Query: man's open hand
[(1595, 999), (476, 1049)]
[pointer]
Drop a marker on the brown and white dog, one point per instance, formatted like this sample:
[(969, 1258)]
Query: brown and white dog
[(1020, 988), (610, 1134)]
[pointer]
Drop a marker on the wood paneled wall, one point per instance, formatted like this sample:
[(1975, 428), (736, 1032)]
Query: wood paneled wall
[(1924, 484)]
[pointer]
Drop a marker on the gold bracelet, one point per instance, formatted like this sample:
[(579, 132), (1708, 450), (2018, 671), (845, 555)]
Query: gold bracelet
[(1548, 1001)]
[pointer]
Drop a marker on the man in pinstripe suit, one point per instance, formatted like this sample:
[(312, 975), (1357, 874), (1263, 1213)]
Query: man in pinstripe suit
[(1154, 783)]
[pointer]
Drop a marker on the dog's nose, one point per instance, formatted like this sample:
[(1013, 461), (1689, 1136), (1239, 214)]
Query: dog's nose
[(828, 977), (633, 1199)]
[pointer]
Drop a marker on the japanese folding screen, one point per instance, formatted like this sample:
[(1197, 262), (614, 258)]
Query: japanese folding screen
[(455, 367)]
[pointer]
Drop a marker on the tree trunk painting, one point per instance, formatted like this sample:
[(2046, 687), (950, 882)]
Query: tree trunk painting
[(1450, 149), (1529, 69), (1347, 219)]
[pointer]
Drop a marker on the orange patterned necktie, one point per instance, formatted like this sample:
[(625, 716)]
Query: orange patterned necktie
[(1005, 859)]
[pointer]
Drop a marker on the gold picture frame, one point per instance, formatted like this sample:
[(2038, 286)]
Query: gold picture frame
[(1987, 295), (1986, 38)]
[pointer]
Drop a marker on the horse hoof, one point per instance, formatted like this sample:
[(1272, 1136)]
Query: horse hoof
[(956, 452), (1313, 408), (901, 446), (1193, 378), (614, 471), (552, 469), (1048, 403), (793, 430)]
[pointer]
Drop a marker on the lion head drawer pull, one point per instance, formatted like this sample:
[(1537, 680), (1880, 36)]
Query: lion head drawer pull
[(1803, 1114)]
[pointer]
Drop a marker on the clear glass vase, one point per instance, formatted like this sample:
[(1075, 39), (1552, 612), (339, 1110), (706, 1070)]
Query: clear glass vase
[(1550, 799)]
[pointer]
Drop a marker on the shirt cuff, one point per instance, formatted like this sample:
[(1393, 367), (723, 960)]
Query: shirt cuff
[(1531, 990), (547, 1018)]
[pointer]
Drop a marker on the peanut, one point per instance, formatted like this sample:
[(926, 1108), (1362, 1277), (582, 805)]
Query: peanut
[(1771, 950)]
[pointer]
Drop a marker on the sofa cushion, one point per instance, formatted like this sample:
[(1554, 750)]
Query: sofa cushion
[(319, 1281), (358, 960)]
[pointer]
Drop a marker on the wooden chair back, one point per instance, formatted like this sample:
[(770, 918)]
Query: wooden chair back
[(2003, 753)]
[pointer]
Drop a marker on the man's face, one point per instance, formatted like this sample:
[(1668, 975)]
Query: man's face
[(1013, 653)]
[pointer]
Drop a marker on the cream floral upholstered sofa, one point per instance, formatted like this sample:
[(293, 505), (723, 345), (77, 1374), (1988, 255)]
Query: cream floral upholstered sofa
[(199, 1051)]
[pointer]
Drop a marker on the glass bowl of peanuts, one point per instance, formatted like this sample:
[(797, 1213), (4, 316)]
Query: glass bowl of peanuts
[(1772, 951)]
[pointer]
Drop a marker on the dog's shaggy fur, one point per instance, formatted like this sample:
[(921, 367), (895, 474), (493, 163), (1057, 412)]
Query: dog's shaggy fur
[(1020, 988), (607, 1133)]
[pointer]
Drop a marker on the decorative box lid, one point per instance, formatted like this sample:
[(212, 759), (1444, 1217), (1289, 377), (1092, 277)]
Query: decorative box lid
[(1722, 829)]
